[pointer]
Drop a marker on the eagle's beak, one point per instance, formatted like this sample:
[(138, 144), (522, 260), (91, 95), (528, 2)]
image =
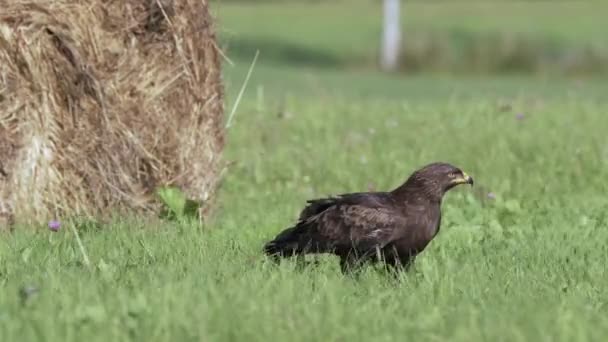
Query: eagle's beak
[(465, 179)]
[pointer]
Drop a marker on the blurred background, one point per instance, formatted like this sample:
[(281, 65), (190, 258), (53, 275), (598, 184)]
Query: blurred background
[(408, 38)]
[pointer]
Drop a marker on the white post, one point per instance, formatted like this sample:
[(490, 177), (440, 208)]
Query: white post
[(391, 35)]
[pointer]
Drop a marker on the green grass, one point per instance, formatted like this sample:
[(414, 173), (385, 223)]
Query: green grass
[(529, 265)]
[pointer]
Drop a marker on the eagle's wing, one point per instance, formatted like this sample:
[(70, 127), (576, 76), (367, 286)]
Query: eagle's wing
[(359, 220), (355, 226), (316, 206), (319, 205)]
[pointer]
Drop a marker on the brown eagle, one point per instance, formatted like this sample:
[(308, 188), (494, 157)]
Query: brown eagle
[(391, 227)]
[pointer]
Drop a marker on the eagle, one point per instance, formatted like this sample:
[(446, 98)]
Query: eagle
[(391, 227)]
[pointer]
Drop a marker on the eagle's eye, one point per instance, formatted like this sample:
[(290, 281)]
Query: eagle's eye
[(452, 174)]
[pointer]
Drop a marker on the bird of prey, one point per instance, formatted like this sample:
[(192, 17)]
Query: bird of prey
[(392, 227)]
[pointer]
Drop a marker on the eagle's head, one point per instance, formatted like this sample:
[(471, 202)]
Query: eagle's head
[(434, 180)]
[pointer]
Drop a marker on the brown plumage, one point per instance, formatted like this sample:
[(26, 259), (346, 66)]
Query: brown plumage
[(392, 226)]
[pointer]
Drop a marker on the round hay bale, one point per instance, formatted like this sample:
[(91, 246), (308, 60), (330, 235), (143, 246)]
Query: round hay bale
[(104, 101)]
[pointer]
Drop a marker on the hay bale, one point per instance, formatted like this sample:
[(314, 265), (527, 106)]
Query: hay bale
[(103, 101)]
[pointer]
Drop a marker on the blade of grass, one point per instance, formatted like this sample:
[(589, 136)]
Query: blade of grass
[(238, 98)]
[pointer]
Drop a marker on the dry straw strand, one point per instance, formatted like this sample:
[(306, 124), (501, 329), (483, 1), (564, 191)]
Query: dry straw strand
[(242, 90), (104, 101)]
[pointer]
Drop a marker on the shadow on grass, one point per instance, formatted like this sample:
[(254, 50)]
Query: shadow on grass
[(277, 51)]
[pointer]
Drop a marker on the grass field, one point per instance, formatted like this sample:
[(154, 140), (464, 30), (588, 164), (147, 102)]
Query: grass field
[(520, 257)]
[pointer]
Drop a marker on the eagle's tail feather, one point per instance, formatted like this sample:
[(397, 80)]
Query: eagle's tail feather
[(285, 244)]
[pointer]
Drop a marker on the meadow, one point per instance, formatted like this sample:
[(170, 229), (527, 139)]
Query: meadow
[(521, 256)]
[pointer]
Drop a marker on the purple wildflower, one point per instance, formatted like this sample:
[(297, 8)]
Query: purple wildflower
[(54, 225), (520, 116), (491, 195)]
